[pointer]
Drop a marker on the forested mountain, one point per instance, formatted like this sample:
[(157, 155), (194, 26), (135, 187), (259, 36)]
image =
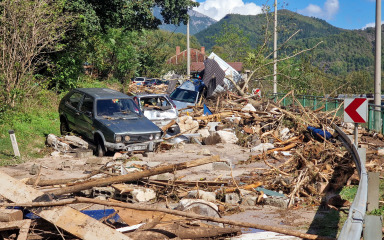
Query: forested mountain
[(341, 50), (198, 22)]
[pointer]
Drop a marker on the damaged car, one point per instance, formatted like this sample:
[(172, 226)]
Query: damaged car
[(109, 119), (160, 109)]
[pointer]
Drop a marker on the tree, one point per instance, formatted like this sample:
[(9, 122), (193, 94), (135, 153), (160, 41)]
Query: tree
[(29, 30), (231, 43), (134, 15)]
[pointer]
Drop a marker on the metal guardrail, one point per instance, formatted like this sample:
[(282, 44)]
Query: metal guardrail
[(329, 104), (353, 226)]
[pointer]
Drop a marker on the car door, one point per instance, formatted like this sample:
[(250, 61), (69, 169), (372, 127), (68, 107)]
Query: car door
[(86, 115), (73, 112)]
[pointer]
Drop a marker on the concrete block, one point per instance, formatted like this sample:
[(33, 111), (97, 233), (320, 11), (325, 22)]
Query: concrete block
[(249, 200), (232, 198), (207, 196), (277, 202), (223, 166), (143, 194)]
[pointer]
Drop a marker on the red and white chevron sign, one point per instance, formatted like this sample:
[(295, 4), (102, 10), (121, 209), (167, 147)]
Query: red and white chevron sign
[(356, 110)]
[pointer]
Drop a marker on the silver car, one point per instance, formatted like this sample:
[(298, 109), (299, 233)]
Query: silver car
[(160, 109)]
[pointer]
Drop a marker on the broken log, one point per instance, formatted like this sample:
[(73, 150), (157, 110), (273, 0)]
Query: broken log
[(134, 176), (183, 214), (165, 128)]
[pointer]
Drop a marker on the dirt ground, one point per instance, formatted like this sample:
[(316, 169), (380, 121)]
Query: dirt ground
[(68, 166)]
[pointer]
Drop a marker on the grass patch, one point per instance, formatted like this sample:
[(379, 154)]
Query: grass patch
[(32, 120), (349, 192)]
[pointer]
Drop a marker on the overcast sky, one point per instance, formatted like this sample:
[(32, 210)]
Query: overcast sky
[(347, 14)]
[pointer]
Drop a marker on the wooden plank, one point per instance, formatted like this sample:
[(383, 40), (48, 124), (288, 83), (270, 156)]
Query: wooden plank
[(22, 225), (67, 218)]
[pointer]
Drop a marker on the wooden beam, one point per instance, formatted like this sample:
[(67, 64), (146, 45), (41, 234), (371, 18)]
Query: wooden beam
[(135, 175), (67, 218)]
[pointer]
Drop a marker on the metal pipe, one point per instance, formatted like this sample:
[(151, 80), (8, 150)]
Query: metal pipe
[(377, 96)]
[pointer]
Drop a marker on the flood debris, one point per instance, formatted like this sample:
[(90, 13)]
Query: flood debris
[(293, 158)]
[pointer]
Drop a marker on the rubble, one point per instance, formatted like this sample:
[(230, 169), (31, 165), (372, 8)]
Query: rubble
[(294, 158)]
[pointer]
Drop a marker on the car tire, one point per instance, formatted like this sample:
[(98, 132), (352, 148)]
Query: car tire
[(64, 129), (100, 150)]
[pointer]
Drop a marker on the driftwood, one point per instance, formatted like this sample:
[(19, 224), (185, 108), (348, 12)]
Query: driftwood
[(165, 128), (178, 213), (134, 176)]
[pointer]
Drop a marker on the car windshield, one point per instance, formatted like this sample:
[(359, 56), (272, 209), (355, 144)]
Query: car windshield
[(183, 95), (117, 107)]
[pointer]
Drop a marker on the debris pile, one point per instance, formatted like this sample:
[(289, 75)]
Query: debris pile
[(294, 157)]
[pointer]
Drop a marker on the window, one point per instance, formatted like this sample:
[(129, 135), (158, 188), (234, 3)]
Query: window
[(87, 105), (75, 99)]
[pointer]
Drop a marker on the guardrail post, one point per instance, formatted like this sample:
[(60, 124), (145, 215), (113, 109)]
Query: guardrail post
[(372, 223), (14, 143)]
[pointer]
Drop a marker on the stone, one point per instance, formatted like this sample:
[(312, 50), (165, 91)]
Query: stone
[(263, 147), (220, 166), (277, 202), (203, 132), (188, 125), (163, 176), (143, 194), (200, 194), (248, 108), (34, 169), (117, 155), (227, 137), (76, 141), (212, 139), (55, 154), (249, 200), (205, 152), (83, 153), (232, 198)]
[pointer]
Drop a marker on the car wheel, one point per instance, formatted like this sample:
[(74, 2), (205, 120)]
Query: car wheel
[(100, 150), (64, 129)]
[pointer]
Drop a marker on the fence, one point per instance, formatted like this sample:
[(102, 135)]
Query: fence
[(327, 104)]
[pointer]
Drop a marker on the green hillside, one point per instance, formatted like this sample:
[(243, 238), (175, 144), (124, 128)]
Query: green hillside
[(341, 50)]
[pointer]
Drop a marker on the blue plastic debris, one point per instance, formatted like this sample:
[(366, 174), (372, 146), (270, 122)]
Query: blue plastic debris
[(206, 110), (96, 214), (316, 132)]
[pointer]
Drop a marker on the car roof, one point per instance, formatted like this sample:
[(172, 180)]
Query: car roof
[(140, 95), (102, 93)]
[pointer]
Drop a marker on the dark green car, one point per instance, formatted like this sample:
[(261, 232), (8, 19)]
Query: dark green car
[(109, 119)]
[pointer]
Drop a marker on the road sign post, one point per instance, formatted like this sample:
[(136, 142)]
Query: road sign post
[(356, 111)]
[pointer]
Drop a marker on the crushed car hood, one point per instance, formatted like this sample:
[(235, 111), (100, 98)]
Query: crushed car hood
[(133, 126)]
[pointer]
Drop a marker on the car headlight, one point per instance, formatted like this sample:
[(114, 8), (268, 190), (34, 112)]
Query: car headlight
[(127, 138), (157, 136), (151, 137), (118, 139)]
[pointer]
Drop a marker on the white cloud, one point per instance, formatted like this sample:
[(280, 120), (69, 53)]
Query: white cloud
[(371, 25), (329, 10), (217, 9)]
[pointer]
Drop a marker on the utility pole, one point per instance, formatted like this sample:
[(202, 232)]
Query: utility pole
[(377, 96), (188, 53), (275, 53)]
